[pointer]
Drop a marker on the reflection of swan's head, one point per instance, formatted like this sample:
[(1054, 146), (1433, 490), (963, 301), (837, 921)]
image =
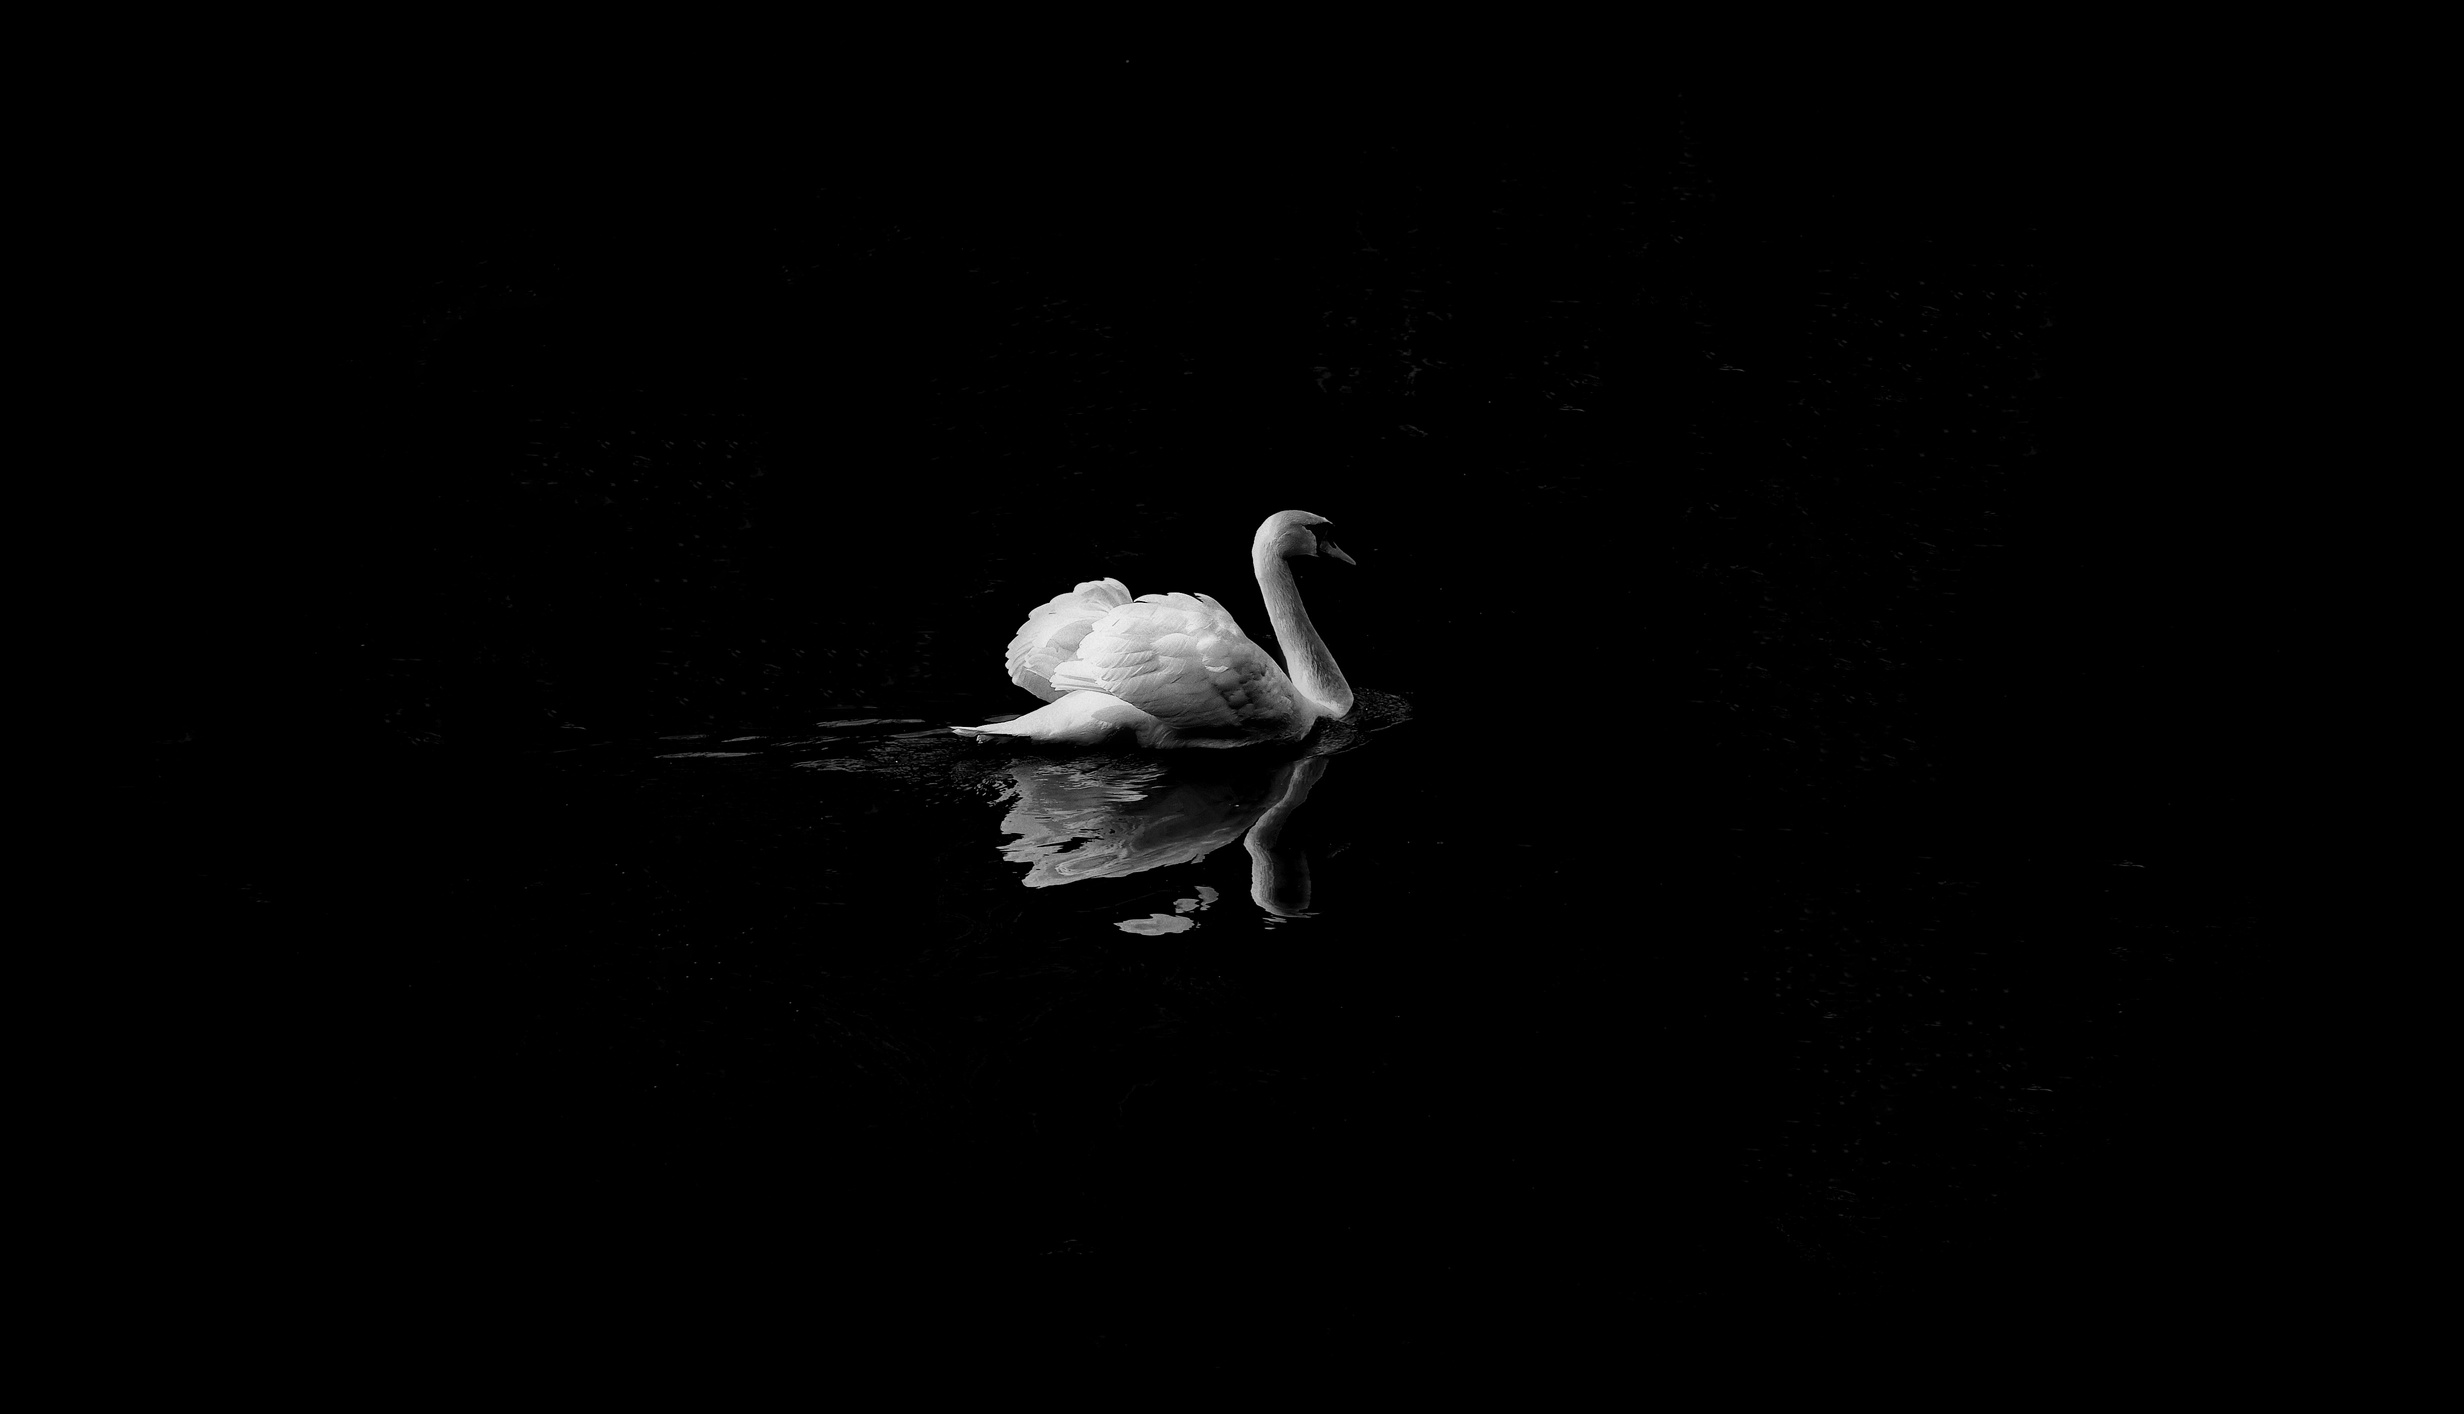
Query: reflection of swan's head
[(1295, 535)]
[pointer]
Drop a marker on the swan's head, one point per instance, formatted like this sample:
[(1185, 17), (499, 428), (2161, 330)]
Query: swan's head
[(1288, 534)]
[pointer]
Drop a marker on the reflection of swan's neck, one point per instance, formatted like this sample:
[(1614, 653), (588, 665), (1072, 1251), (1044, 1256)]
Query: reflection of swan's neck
[(1279, 878), (1305, 657)]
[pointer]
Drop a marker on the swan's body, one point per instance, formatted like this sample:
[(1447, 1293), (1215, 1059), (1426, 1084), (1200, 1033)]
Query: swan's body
[(1175, 670)]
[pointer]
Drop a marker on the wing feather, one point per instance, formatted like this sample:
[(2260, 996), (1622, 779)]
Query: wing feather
[(1052, 633), (1183, 659)]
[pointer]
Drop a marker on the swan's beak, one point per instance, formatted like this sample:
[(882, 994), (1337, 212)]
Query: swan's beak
[(1327, 547)]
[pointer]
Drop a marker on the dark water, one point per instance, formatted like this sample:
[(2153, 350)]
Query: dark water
[(1800, 871)]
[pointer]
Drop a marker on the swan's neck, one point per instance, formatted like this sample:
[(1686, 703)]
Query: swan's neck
[(1305, 657)]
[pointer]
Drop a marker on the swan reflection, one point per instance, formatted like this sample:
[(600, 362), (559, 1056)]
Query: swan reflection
[(1078, 820)]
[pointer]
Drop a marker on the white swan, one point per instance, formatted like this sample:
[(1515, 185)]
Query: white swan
[(1174, 670)]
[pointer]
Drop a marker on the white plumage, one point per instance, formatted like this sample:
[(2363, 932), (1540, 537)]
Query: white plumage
[(1051, 634), (1175, 670)]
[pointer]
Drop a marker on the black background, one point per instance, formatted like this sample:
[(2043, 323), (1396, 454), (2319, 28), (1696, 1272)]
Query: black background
[(1802, 526)]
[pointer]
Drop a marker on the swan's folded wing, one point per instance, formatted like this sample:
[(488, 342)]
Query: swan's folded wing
[(1182, 658), (1051, 635)]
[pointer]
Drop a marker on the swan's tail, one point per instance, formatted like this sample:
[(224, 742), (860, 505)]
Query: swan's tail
[(1077, 718)]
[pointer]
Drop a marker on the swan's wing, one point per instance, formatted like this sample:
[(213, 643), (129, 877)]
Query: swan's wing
[(1051, 635), (1181, 658)]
